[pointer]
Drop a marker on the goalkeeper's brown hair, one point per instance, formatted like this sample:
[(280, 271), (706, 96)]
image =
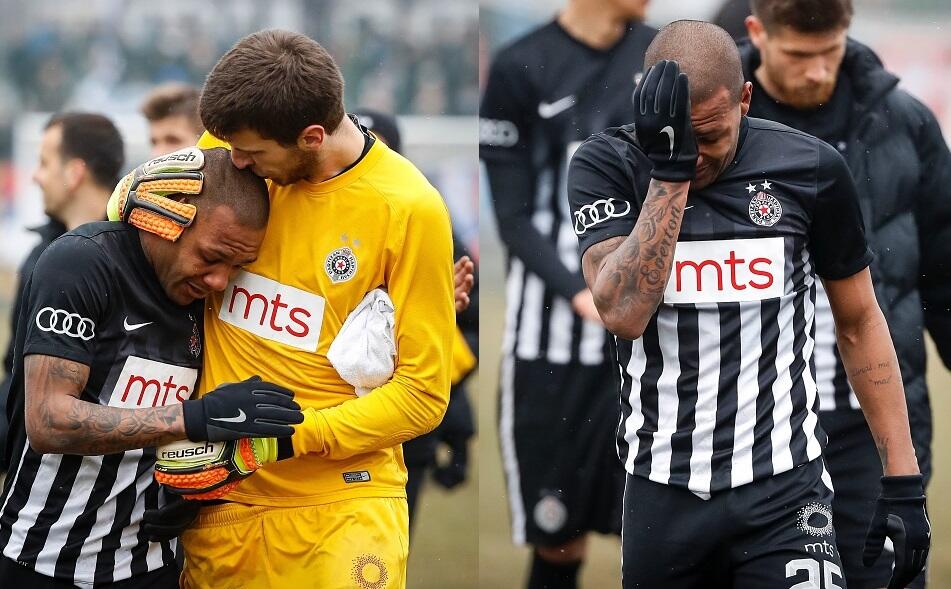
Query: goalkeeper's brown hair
[(804, 16), (275, 83)]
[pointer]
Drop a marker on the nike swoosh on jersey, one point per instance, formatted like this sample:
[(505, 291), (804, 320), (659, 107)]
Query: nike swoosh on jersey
[(670, 135), (547, 110), (133, 326), (240, 417)]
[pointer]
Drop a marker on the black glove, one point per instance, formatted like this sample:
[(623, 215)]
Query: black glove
[(249, 409), (662, 122), (900, 514), (169, 521)]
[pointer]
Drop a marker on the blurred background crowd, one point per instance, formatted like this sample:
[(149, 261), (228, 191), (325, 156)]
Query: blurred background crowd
[(409, 57)]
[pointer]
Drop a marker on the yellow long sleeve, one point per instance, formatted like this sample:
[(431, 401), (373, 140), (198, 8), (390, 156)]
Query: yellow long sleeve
[(413, 402)]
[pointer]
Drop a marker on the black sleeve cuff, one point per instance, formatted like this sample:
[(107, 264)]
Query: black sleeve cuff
[(845, 271), (193, 412), (903, 486), (285, 448)]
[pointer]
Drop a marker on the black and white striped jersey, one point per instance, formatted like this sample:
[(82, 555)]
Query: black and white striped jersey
[(721, 389), (93, 298), (545, 94)]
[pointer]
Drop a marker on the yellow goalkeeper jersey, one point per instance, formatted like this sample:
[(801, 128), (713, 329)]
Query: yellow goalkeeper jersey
[(379, 224)]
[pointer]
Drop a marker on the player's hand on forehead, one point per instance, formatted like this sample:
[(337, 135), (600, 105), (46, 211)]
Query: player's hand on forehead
[(662, 122)]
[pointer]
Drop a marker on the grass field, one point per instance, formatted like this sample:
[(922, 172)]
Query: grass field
[(503, 566)]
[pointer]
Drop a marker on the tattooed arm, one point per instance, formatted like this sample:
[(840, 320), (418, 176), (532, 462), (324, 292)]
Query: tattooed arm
[(872, 366), (59, 422), (627, 275)]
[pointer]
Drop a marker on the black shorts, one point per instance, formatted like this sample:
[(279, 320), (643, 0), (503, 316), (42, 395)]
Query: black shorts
[(856, 470), (557, 427), (775, 533)]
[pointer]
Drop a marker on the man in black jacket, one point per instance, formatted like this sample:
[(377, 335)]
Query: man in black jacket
[(809, 75), (80, 157)]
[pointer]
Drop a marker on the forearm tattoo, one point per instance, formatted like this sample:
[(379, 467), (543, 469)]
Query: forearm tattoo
[(61, 422), (635, 274)]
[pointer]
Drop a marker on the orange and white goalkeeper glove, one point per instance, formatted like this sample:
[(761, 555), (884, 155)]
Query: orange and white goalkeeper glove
[(210, 470)]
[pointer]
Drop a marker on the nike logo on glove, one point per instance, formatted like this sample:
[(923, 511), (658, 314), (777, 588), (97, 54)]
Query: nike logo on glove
[(240, 417), (670, 135), (547, 110), (133, 326)]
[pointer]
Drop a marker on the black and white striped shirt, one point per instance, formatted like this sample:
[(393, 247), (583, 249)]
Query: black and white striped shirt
[(721, 388), (94, 299), (545, 94)]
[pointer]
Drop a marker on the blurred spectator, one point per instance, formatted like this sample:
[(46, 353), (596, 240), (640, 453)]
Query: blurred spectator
[(81, 155), (172, 112)]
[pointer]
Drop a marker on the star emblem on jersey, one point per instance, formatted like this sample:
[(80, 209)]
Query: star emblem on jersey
[(341, 265), (764, 208), (815, 519)]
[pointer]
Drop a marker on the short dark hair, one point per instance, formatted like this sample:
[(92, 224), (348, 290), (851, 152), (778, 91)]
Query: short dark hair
[(93, 139), (804, 16), (705, 52), (276, 83), (241, 190), (173, 99)]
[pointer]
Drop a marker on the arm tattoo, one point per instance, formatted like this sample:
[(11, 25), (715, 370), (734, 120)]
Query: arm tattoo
[(89, 428), (59, 421), (629, 274)]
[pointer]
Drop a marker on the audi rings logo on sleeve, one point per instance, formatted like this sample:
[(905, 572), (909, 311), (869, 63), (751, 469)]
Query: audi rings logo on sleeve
[(65, 323), (600, 210)]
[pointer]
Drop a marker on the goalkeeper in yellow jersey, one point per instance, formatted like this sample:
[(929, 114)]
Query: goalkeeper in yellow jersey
[(348, 215)]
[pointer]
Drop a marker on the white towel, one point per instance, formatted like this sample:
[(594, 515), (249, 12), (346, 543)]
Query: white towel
[(363, 351)]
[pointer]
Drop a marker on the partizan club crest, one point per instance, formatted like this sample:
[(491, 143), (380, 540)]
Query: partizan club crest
[(764, 209), (341, 265)]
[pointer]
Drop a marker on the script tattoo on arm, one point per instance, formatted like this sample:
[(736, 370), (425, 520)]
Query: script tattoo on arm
[(628, 275), (59, 422)]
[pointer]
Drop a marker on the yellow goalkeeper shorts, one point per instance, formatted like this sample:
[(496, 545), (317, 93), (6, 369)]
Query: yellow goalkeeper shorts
[(354, 544)]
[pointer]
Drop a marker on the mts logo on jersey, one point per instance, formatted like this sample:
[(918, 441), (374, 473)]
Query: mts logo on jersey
[(725, 271), (147, 383), (273, 310)]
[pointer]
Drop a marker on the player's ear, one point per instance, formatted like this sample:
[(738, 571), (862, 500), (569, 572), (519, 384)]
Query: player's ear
[(756, 30), (311, 138), (746, 94), (75, 173)]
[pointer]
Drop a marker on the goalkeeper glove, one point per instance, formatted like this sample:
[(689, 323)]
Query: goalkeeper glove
[(236, 410), (900, 514), (211, 470)]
